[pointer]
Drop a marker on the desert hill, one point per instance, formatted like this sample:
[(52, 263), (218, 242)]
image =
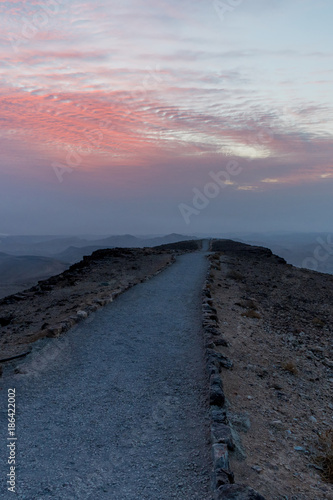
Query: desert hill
[(19, 272), (53, 246), (308, 250)]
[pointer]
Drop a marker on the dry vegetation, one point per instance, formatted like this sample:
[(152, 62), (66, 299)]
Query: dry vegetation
[(251, 313), (324, 457), (290, 367)]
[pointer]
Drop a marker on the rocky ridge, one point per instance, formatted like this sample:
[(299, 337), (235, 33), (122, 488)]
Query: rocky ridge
[(54, 305)]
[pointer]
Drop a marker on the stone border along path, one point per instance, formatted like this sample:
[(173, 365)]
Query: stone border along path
[(223, 481), (122, 412)]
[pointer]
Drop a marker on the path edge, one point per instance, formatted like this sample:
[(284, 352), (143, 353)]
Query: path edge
[(223, 484)]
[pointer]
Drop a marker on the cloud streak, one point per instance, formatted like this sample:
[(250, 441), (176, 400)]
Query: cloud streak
[(150, 92)]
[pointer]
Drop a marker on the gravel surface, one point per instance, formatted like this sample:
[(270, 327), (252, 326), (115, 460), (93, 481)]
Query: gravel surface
[(116, 408)]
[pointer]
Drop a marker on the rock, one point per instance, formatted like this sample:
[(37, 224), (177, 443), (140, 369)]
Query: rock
[(221, 457), (209, 309), (221, 341), (240, 421), (6, 320), (315, 466), (218, 415), (18, 296), (221, 433), (222, 361), (222, 472), (212, 367), (316, 349), (100, 301), (222, 477), (212, 330), (277, 424), (237, 492), (217, 397), (54, 331), (328, 362), (262, 373), (82, 314)]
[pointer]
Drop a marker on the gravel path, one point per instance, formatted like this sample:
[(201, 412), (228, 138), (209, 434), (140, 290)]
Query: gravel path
[(117, 408)]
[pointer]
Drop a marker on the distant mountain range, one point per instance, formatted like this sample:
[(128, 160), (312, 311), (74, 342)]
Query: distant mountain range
[(20, 272), (20, 269), (67, 248), (24, 260)]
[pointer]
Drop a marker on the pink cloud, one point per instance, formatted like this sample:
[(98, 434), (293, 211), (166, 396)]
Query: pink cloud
[(137, 129), (36, 57)]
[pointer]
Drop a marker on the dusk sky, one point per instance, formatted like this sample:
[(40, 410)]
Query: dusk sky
[(142, 116)]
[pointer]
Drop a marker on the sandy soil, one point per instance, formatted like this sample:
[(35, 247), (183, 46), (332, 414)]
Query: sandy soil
[(278, 321)]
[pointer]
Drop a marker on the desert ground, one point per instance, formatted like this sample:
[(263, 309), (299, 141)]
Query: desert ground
[(278, 322), (275, 324)]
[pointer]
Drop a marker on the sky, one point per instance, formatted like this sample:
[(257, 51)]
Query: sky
[(146, 117)]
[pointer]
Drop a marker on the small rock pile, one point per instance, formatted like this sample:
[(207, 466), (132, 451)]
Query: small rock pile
[(223, 480)]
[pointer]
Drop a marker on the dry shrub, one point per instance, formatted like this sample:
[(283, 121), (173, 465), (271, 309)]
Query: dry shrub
[(235, 275), (289, 366), (215, 260), (251, 314), (324, 458), (318, 322), (247, 304)]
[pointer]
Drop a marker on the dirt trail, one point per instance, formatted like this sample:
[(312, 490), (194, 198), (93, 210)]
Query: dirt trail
[(116, 408)]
